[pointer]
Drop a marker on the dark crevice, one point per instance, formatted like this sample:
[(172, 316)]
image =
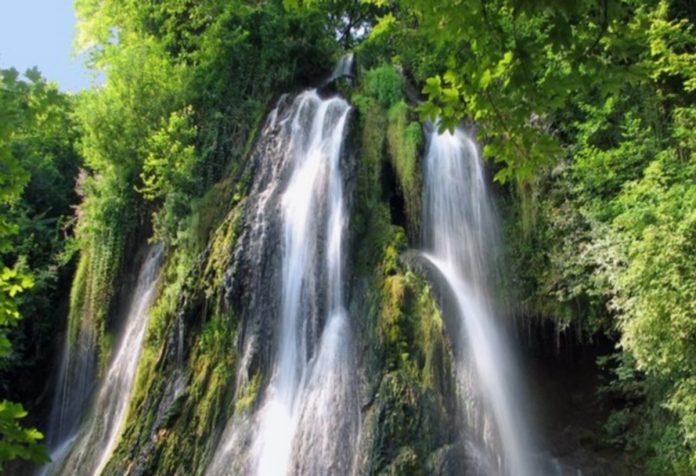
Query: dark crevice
[(392, 194)]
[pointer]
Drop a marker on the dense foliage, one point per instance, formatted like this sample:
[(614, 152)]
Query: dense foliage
[(186, 85), (39, 165), (589, 108)]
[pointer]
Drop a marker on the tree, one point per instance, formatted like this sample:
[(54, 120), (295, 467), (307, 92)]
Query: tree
[(512, 65), (21, 106)]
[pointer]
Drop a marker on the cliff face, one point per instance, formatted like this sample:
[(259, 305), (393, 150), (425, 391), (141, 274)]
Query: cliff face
[(208, 355)]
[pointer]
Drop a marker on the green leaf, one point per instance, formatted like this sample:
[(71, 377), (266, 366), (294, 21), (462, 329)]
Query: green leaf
[(433, 87), (17, 441), (485, 79), (428, 111)]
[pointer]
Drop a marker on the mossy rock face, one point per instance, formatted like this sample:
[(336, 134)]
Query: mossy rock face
[(405, 144), (192, 379), (408, 390), (404, 424), (450, 460), (406, 462), (186, 378), (391, 141)]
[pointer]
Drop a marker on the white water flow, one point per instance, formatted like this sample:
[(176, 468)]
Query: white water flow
[(459, 229), (75, 384), (299, 427), (87, 451), (344, 67)]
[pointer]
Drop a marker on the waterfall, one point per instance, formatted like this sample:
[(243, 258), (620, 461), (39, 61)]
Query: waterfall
[(307, 421), (344, 68), (88, 448), (459, 237), (75, 384)]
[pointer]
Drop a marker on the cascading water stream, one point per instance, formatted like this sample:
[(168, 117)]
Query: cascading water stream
[(308, 419), (86, 451), (75, 385), (459, 232), (344, 68), (314, 155)]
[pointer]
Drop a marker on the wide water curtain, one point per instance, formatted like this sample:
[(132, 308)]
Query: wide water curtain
[(308, 419), (312, 205), (88, 449), (459, 235)]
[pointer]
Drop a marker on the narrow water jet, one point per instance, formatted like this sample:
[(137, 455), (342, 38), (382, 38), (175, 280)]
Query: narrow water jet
[(460, 236), (308, 418), (344, 68), (88, 449)]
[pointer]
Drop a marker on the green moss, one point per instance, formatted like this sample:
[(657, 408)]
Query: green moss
[(194, 269), (192, 290), (404, 425), (372, 147), (78, 296), (172, 283), (248, 394), (404, 139), (408, 355), (385, 84), (93, 287), (406, 462), (106, 343), (411, 328), (220, 253), (207, 213), (370, 217), (387, 132), (394, 323), (183, 444), (438, 364)]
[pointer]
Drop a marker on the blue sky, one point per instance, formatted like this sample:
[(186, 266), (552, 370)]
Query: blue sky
[(40, 33)]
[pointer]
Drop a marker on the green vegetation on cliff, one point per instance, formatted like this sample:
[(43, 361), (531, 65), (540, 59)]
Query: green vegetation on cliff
[(408, 358)]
